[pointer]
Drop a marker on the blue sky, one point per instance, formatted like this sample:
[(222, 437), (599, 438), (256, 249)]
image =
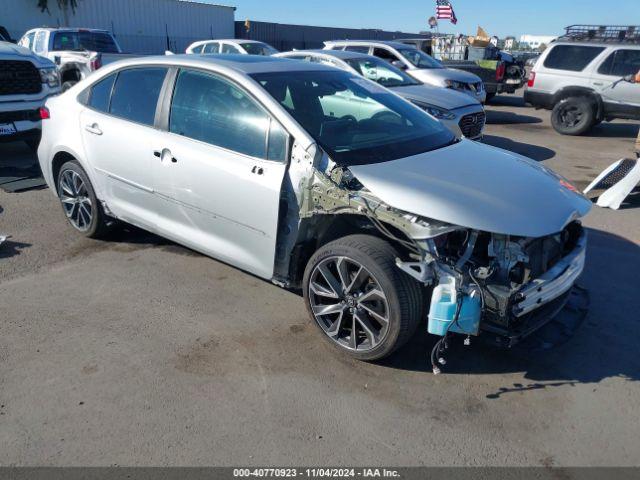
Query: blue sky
[(498, 17)]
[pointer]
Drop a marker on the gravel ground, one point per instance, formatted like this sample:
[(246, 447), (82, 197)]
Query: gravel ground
[(136, 351)]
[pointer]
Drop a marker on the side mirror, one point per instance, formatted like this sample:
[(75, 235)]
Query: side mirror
[(399, 64), (629, 78)]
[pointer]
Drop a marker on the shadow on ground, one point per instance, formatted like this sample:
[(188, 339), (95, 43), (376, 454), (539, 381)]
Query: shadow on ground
[(528, 150), (496, 117), (11, 249), (605, 346), (614, 130), (508, 101)]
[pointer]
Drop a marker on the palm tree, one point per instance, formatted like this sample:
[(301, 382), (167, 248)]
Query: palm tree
[(64, 5)]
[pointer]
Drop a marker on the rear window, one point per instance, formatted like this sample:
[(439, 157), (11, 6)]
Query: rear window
[(135, 94), (101, 94), (574, 58), (100, 42)]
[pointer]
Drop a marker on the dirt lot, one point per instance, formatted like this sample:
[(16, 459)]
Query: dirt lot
[(140, 352)]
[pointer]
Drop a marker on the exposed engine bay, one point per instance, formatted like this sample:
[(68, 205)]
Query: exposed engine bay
[(519, 283)]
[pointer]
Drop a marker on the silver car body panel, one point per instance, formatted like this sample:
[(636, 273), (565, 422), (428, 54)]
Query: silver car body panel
[(477, 186)]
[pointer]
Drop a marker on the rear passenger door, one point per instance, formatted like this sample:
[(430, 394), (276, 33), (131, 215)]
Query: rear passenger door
[(117, 128), (219, 177), (622, 97)]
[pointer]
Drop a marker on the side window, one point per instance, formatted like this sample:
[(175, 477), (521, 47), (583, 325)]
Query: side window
[(621, 63), (213, 47), (100, 94), (384, 54), (27, 40), (357, 48), (135, 94), (228, 48), (197, 49), (210, 109), (573, 58), (278, 142), (39, 43)]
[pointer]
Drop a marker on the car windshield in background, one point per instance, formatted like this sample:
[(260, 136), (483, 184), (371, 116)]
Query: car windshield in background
[(419, 59), (258, 49), (381, 72), (80, 41), (355, 121)]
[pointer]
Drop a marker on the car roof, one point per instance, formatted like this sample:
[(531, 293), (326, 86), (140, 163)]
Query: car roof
[(341, 54), (67, 29), (232, 40), (388, 43), (247, 64)]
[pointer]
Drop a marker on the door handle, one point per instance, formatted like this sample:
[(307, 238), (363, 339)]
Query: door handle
[(257, 170), (165, 154), (93, 128)]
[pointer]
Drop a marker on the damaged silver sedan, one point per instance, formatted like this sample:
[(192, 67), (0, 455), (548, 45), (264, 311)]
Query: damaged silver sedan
[(320, 180)]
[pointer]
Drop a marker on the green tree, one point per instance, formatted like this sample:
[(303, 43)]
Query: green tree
[(63, 4)]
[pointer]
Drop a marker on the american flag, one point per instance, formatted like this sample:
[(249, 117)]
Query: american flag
[(444, 11)]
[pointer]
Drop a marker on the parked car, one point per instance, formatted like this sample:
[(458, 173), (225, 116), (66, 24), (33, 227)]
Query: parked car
[(274, 166), (492, 71), (26, 81), (76, 51), (233, 46), (463, 115), (417, 64), (580, 78)]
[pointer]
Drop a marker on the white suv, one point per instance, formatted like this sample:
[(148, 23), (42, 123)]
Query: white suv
[(583, 78)]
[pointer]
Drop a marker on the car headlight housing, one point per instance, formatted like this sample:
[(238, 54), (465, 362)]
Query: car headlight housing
[(438, 112), (50, 76), (455, 85)]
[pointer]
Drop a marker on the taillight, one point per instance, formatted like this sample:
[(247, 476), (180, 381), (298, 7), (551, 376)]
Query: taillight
[(500, 71), (532, 79), (96, 63), (44, 113)]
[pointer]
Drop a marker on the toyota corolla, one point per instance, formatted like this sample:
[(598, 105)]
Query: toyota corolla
[(320, 180)]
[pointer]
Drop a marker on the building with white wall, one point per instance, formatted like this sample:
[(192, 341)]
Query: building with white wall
[(533, 42), (141, 26)]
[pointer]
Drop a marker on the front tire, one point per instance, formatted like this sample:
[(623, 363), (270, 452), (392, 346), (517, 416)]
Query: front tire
[(573, 116), (79, 202), (362, 303)]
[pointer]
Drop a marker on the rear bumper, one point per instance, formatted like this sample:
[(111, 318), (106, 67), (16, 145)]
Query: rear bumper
[(538, 99)]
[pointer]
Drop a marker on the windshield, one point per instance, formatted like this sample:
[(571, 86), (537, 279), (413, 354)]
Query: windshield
[(381, 72), (100, 42), (258, 49), (419, 59), (354, 120)]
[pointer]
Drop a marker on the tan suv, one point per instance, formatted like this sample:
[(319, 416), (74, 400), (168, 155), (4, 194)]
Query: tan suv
[(585, 77)]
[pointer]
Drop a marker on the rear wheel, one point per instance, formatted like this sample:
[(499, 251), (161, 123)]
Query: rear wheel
[(573, 116), (359, 299), (79, 201)]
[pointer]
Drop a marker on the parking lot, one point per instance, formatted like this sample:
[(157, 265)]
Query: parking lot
[(136, 351)]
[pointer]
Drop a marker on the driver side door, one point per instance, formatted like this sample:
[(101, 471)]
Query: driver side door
[(218, 172)]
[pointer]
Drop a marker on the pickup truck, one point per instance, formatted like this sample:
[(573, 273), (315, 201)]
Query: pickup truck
[(76, 51), (26, 82), (501, 73)]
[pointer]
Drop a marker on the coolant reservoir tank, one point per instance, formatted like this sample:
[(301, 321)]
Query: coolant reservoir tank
[(443, 310)]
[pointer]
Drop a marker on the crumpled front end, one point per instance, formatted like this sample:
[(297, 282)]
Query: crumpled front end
[(519, 282)]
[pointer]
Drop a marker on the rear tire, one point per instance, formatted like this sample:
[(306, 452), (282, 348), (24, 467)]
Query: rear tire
[(384, 303), (573, 116), (79, 202)]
